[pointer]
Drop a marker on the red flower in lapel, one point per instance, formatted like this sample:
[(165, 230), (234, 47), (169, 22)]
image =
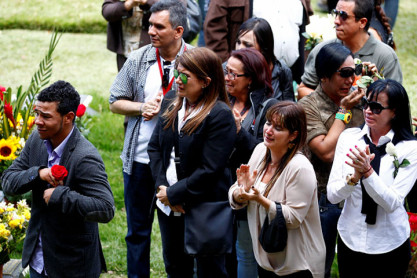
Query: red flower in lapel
[(59, 172)]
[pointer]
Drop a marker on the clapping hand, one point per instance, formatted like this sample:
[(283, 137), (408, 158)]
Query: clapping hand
[(245, 191), (360, 161), (244, 178)]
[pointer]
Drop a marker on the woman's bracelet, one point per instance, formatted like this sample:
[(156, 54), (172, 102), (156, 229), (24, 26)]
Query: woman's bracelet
[(363, 173)]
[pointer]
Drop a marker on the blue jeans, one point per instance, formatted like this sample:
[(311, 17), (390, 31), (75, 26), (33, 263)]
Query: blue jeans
[(391, 10), (247, 267), (139, 189), (329, 215)]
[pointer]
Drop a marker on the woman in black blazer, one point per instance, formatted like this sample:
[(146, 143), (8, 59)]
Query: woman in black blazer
[(189, 152)]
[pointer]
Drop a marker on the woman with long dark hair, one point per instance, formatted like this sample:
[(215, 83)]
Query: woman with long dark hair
[(188, 152), (374, 169), (257, 33)]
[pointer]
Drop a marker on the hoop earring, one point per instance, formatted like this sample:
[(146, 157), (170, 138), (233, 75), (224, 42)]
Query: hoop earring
[(291, 145)]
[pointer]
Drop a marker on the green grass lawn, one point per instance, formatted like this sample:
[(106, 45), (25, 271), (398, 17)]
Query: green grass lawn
[(83, 60)]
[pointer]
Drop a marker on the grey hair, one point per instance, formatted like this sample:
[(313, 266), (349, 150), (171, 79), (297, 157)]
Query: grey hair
[(177, 11)]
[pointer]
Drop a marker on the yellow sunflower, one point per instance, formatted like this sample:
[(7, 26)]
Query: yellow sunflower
[(7, 149)]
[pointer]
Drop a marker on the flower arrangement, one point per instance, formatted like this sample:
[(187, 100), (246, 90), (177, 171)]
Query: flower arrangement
[(14, 220), (320, 29), (16, 110), (16, 113)]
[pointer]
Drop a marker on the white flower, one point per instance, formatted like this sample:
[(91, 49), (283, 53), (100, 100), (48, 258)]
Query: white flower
[(390, 149), (321, 26)]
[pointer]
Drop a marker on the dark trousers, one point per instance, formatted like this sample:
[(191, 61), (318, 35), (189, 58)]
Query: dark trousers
[(34, 274), (178, 264), (329, 215), (139, 190), (356, 264), (262, 273)]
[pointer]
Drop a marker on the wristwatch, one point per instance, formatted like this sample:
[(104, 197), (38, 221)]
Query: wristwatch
[(345, 117), (349, 180)]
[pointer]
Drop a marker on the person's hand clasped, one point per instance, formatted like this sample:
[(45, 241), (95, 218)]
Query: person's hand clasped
[(151, 108), (47, 194), (162, 195), (360, 161)]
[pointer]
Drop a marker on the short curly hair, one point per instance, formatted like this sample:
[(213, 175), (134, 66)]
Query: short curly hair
[(64, 93)]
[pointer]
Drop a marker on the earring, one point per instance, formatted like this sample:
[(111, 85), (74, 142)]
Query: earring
[(291, 145)]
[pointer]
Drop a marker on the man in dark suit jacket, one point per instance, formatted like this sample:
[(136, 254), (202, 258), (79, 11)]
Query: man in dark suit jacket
[(62, 239)]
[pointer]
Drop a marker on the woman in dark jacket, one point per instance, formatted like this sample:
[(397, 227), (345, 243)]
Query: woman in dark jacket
[(188, 152), (248, 82)]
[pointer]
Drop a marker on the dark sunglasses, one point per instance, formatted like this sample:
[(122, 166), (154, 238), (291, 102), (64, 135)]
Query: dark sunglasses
[(375, 107), (346, 72), (342, 14), (183, 76)]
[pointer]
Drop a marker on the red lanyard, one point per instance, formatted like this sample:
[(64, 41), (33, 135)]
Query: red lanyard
[(164, 90)]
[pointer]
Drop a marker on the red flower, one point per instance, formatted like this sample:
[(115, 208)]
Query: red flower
[(8, 110), (413, 221), (2, 89), (81, 110), (413, 243), (59, 172)]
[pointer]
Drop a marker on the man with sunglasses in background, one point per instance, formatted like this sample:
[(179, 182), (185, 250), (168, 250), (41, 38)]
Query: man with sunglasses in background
[(137, 92), (332, 108), (352, 20)]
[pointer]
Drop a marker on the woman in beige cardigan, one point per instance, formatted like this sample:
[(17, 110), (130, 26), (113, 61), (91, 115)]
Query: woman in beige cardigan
[(279, 172)]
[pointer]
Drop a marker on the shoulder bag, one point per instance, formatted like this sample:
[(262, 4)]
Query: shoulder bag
[(209, 229), (273, 236)]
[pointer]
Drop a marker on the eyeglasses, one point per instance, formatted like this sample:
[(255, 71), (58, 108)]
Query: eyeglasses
[(232, 75), (183, 76), (342, 14), (375, 107), (346, 72), (165, 76)]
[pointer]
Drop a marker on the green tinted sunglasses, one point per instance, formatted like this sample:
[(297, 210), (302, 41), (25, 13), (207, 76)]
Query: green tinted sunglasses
[(183, 76)]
